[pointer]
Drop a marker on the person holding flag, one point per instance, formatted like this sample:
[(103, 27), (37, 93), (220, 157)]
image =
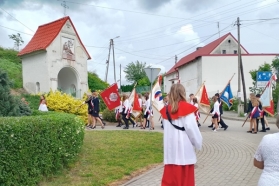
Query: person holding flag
[(118, 112), (215, 113), (125, 108), (197, 114), (262, 115), (228, 102), (96, 109)]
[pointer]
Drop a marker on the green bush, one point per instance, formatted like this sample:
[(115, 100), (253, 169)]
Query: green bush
[(33, 101), (36, 146), (24, 109), (109, 115)]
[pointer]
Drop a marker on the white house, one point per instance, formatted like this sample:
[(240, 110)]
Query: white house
[(55, 58), (215, 63)]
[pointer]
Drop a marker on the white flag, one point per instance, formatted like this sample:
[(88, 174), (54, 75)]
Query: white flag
[(266, 96), (157, 97)]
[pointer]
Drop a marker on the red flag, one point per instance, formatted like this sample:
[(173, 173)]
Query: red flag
[(111, 96), (270, 110), (160, 79), (204, 97), (136, 105)]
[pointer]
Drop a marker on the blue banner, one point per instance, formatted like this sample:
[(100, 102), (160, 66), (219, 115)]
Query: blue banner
[(227, 96)]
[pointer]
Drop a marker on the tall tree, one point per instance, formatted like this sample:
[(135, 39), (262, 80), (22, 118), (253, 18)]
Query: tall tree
[(17, 40), (135, 71), (8, 104), (95, 83)]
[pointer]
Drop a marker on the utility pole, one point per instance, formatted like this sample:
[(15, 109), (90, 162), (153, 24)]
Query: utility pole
[(106, 78), (239, 65), (120, 80), (175, 58), (112, 44)]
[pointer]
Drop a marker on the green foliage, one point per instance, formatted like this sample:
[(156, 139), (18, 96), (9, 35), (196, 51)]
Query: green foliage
[(127, 88), (102, 105), (267, 67), (37, 146), (17, 40), (9, 105), (135, 71), (24, 109), (33, 100), (13, 70), (253, 73), (95, 83), (108, 115), (144, 81), (10, 55)]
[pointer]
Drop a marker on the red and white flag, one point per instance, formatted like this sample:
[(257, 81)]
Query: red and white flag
[(134, 100), (266, 97), (111, 96), (202, 97)]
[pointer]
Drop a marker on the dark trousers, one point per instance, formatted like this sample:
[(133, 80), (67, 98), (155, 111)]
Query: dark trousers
[(221, 122), (263, 123), (126, 121)]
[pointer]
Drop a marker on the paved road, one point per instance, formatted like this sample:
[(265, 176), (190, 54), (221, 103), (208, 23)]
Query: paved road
[(226, 158)]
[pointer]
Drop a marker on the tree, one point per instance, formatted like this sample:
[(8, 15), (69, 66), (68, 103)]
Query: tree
[(267, 67), (135, 71), (9, 105), (95, 83), (17, 40)]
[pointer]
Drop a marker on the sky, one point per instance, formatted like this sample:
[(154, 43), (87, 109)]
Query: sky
[(150, 31)]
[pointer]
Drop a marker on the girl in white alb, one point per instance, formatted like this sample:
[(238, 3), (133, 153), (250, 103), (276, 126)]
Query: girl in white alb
[(181, 137)]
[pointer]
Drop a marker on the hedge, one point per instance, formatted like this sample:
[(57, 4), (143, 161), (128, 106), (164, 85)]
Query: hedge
[(109, 115), (36, 146)]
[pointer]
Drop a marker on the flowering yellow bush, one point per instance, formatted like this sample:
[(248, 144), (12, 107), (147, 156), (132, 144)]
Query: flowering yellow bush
[(62, 102)]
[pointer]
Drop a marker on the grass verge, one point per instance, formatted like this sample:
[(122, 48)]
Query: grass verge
[(108, 156)]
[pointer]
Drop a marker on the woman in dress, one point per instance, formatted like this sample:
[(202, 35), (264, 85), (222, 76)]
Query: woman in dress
[(43, 104), (96, 109), (266, 158), (255, 113), (215, 114), (181, 136)]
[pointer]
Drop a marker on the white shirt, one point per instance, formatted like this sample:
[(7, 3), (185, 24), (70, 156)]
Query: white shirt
[(216, 108), (43, 107), (119, 108), (179, 145), (196, 105), (126, 105), (268, 152), (147, 105)]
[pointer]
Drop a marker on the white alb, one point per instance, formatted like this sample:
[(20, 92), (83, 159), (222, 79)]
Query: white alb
[(179, 146), (268, 152)]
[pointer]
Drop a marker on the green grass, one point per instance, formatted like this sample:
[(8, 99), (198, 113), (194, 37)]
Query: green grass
[(13, 70), (108, 156)]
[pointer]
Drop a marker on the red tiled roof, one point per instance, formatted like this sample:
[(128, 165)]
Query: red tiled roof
[(44, 36), (206, 50)]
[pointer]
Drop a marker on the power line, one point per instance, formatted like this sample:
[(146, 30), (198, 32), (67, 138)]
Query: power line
[(97, 6), (198, 26), (16, 30), (16, 19)]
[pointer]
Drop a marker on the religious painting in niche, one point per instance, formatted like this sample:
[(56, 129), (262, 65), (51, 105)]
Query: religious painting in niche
[(68, 49)]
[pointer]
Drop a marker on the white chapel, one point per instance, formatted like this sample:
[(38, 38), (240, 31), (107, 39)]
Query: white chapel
[(55, 59)]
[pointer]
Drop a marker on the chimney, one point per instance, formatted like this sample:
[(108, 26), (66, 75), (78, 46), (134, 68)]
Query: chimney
[(199, 48)]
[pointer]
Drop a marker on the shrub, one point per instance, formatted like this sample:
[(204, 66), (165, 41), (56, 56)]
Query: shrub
[(33, 100), (62, 102), (36, 146), (24, 109), (9, 105), (109, 115)]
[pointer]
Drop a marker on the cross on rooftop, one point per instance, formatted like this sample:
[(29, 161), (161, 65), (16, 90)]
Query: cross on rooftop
[(65, 7)]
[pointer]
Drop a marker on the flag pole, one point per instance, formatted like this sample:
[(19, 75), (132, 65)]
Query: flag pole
[(200, 88), (221, 94), (261, 94)]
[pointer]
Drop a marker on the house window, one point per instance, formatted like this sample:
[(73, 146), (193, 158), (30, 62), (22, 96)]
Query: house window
[(37, 87), (223, 51), (235, 51)]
